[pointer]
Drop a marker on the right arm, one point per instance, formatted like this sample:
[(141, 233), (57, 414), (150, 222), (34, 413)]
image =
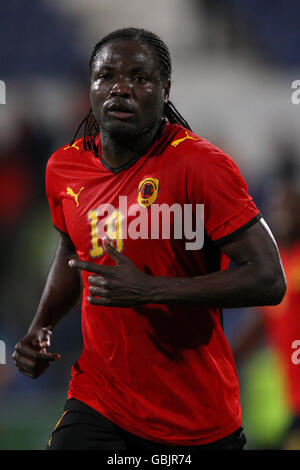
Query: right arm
[(61, 293)]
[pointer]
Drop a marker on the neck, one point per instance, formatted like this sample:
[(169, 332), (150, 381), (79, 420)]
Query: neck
[(119, 150)]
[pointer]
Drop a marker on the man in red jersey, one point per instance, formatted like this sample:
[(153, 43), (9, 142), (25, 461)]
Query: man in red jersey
[(156, 371)]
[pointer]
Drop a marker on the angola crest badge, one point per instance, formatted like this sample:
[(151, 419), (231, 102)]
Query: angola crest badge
[(148, 191)]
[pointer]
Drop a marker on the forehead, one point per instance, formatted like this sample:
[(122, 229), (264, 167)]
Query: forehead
[(129, 52)]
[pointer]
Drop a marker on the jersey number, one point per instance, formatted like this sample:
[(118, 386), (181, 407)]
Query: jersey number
[(111, 227)]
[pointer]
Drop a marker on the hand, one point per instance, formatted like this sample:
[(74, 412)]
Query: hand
[(30, 356), (122, 285)]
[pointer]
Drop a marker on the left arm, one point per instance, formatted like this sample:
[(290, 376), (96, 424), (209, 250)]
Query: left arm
[(256, 279)]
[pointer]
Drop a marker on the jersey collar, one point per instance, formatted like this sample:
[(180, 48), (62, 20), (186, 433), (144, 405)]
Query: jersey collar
[(160, 135)]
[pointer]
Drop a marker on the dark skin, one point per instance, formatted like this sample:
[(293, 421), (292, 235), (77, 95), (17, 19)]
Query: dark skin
[(127, 96)]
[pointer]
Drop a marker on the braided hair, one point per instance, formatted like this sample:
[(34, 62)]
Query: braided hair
[(91, 128)]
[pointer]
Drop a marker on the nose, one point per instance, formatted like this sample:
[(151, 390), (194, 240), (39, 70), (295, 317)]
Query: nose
[(121, 87)]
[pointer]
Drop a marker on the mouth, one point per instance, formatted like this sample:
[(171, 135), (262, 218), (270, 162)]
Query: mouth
[(120, 111)]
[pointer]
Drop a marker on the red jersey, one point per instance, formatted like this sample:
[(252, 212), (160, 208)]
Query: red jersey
[(283, 327), (163, 372)]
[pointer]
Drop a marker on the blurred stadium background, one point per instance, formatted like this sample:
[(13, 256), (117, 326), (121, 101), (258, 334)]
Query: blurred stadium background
[(233, 65)]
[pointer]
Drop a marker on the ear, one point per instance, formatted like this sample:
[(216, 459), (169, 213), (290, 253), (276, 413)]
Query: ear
[(166, 90)]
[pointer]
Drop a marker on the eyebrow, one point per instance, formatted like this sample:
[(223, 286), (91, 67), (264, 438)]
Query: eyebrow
[(135, 69), (103, 66), (140, 68)]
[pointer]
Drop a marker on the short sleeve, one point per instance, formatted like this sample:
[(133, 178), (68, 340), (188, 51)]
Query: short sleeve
[(218, 184), (54, 200)]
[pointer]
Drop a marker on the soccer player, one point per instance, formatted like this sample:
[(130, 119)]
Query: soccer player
[(156, 371)]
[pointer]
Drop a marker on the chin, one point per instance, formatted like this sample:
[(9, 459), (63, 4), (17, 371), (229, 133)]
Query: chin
[(121, 130)]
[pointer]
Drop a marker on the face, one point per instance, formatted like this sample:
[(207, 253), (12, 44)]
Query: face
[(126, 90)]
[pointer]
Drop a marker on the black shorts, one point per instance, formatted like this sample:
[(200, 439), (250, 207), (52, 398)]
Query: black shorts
[(83, 428)]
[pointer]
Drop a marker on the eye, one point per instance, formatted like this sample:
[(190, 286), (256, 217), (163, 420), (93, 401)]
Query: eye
[(140, 79), (104, 76)]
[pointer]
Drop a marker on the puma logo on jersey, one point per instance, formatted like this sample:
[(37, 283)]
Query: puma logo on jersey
[(70, 192), (179, 141), (73, 145)]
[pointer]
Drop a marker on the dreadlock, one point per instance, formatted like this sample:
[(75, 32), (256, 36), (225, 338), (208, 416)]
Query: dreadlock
[(162, 53)]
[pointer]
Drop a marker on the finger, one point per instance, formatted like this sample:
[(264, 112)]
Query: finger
[(99, 300), (36, 356), (91, 267), (98, 291), (106, 301), (112, 252), (99, 281), (51, 356), (34, 373), (28, 370), (24, 362), (30, 366)]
